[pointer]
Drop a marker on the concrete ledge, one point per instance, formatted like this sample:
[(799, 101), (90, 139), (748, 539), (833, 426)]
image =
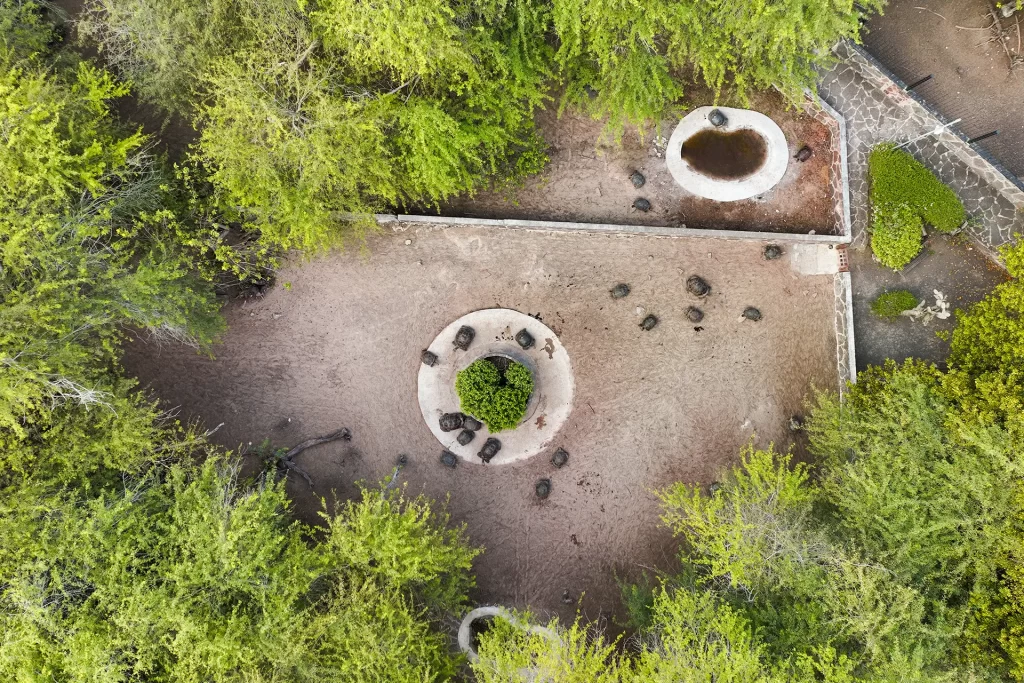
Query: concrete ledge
[(612, 229), (846, 354), (841, 184)]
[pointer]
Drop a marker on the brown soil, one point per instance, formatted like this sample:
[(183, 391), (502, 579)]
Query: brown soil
[(342, 346), (972, 79), (588, 180)]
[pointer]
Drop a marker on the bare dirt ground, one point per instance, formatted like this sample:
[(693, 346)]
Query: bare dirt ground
[(588, 180), (972, 79), (341, 348), (951, 265)]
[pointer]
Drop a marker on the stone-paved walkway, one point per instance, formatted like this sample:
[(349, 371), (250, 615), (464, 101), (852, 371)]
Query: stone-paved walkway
[(877, 110)]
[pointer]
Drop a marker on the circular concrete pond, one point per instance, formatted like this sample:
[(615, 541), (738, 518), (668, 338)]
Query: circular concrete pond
[(743, 156), (494, 332)]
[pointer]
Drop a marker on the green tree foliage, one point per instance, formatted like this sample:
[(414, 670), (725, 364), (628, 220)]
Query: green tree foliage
[(83, 255), (890, 304), (427, 100), (986, 364), (758, 546), (922, 494), (762, 513), (163, 47), (699, 638), (24, 31), (995, 633), (924, 489), (628, 61), (510, 651), (184, 574), (499, 400)]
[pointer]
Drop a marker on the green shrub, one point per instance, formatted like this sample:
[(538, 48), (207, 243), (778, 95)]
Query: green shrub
[(500, 402), (895, 234), (904, 196), (889, 305), (897, 178)]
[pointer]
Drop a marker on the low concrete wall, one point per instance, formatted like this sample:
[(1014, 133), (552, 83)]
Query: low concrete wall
[(609, 228)]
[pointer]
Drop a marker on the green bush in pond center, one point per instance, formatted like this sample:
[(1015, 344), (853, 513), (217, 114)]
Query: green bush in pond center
[(497, 401)]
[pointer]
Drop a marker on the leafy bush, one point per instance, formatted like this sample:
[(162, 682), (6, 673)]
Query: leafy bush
[(500, 402), (904, 196), (986, 364), (895, 234), (990, 335), (898, 178), (890, 304)]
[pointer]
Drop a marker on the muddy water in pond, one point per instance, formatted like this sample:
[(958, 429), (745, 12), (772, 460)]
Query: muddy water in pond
[(726, 156)]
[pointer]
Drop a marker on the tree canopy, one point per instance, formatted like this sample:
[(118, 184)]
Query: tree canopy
[(315, 114), (131, 549)]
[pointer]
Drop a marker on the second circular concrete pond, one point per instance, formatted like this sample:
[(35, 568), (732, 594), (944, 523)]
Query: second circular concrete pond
[(744, 155), (494, 334)]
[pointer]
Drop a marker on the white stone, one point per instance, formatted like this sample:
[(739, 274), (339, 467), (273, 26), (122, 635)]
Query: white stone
[(762, 180), (553, 383)]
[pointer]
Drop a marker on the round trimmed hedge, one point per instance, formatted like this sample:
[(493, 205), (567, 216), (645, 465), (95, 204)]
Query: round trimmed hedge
[(499, 401), (889, 305)]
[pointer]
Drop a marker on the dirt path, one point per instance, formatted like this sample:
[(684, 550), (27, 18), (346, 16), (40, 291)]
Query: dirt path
[(972, 81), (341, 348)]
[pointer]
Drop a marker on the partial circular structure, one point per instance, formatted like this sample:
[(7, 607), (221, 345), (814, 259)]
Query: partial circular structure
[(495, 335), (465, 636), (740, 126)]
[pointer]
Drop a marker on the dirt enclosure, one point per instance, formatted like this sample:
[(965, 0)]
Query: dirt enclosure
[(588, 179), (340, 347)]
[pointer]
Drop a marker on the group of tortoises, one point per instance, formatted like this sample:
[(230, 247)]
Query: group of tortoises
[(699, 287), (449, 422)]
